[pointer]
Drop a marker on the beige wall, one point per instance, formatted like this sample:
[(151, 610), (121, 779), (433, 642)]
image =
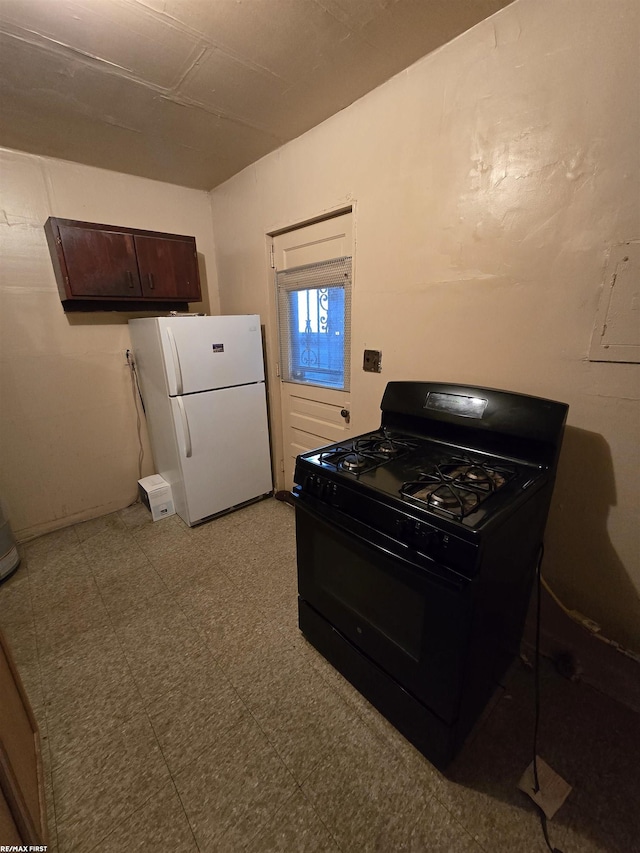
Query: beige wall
[(68, 441), (488, 181)]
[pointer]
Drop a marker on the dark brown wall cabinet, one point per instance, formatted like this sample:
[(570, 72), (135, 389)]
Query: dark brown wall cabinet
[(98, 266)]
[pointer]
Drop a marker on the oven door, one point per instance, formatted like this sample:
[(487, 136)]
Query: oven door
[(411, 617)]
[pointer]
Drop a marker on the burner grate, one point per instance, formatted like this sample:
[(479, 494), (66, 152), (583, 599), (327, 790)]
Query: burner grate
[(457, 486), (366, 453)]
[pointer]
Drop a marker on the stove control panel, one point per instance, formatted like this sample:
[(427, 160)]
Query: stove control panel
[(409, 532), (323, 488), (418, 533)]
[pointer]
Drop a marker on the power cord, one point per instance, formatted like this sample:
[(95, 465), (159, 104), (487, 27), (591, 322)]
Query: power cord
[(589, 624), (536, 782), (132, 366), (135, 384)]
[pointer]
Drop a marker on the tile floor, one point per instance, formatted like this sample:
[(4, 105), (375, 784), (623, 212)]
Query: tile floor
[(181, 710)]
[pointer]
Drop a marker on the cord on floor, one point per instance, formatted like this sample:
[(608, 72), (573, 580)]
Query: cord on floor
[(543, 817)]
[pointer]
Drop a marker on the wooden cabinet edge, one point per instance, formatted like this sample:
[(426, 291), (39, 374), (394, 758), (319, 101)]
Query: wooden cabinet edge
[(97, 303), (52, 233), (35, 835), (119, 229), (15, 801)]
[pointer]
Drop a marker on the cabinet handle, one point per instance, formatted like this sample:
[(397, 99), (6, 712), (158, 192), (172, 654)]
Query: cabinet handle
[(151, 284), (130, 278)]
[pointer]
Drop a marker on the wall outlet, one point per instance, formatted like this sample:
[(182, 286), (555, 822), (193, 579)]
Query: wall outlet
[(372, 361)]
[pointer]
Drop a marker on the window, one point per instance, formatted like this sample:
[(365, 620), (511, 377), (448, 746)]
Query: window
[(313, 306)]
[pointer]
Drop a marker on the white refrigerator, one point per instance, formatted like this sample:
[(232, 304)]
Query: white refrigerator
[(202, 382)]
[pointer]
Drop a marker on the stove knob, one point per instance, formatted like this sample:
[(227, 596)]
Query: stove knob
[(337, 496), (403, 527), (314, 485), (422, 532), (438, 540), (427, 536)]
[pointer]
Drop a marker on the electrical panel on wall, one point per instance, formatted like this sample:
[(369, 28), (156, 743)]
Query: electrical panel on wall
[(372, 361), (616, 333)]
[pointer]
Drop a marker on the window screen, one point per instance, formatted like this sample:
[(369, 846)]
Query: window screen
[(314, 310)]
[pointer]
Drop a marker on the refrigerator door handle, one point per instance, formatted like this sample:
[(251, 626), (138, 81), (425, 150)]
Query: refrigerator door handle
[(185, 429), (176, 361)]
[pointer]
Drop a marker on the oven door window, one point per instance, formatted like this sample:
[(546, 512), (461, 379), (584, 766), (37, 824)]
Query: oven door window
[(374, 595), (410, 622)]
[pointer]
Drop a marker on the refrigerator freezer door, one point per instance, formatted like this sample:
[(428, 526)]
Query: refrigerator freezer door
[(223, 443), (204, 353)]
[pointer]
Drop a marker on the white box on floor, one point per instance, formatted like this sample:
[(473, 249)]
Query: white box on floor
[(155, 494)]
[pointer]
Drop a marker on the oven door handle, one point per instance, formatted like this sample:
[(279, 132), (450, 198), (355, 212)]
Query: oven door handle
[(374, 539)]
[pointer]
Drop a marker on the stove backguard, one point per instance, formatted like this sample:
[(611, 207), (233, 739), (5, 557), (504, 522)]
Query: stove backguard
[(502, 423)]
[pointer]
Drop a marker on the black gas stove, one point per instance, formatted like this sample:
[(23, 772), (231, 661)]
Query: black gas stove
[(417, 545)]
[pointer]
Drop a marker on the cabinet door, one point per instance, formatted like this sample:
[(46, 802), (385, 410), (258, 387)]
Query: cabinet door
[(168, 268), (100, 263)]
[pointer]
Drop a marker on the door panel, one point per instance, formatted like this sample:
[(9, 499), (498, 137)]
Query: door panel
[(223, 442), (311, 414), (312, 244), (168, 268), (100, 263), (312, 422), (316, 417)]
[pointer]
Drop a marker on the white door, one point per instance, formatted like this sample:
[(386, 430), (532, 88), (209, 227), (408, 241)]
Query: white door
[(223, 445), (202, 353), (313, 281)]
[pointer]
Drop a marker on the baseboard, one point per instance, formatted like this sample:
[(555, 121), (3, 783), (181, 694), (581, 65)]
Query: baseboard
[(25, 534), (581, 656)]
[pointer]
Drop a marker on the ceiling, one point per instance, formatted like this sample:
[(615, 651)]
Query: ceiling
[(192, 91)]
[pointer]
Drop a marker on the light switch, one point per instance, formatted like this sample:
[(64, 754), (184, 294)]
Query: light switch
[(372, 361)]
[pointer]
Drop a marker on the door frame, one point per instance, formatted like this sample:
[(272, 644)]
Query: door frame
[(272, 344)]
